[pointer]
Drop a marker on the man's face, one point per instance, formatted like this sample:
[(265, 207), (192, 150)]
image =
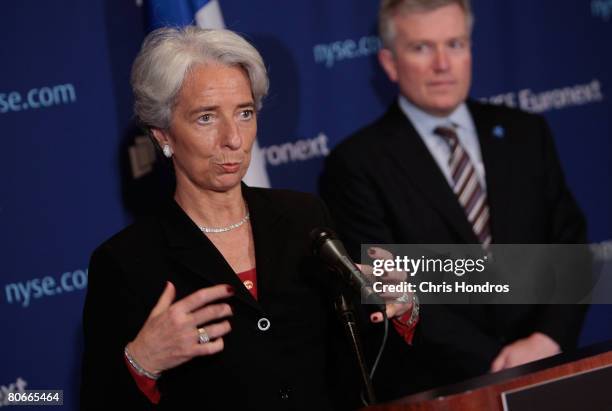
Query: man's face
[(431, 59)]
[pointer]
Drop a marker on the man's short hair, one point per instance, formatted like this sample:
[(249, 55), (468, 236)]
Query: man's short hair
[(391, 8)]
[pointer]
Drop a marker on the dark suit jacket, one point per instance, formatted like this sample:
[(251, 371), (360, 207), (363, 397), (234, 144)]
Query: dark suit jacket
[(383, 186), (286, 367)]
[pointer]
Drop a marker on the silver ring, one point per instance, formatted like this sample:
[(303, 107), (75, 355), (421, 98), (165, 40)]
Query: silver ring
[(203, 335)]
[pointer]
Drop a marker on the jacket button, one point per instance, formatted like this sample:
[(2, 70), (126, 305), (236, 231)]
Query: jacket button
[(263, 324)]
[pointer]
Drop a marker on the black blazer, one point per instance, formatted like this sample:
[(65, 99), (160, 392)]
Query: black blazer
[(383, 186), (286, 367)]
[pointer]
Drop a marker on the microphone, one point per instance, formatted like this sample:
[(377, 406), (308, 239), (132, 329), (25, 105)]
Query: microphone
[(326, 246)]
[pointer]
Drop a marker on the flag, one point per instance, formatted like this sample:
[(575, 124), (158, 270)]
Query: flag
[(206, 14)]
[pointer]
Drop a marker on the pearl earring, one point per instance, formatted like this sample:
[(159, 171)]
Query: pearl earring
[(167, 151)]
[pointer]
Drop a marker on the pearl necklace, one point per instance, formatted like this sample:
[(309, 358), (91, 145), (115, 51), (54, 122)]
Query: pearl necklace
[(225, 229)]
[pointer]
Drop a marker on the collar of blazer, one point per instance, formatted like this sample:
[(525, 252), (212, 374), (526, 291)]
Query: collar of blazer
[(406, 149), (193, 250)]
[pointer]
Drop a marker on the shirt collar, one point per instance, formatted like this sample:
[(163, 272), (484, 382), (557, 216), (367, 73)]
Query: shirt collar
[(422, 120)]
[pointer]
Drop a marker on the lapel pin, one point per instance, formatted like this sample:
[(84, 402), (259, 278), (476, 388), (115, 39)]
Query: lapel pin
[(499, 132)]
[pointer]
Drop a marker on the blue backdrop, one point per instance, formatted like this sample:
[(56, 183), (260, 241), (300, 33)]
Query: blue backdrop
[(74, 168)]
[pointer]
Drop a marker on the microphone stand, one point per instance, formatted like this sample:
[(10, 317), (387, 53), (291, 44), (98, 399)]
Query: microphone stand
[(347, 316)]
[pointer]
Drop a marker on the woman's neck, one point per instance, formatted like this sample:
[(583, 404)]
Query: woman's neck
[(209, 208)]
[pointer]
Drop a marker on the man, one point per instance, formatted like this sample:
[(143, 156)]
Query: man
[(439, 168)]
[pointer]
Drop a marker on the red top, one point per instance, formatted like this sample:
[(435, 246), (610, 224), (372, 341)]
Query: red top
[(249, 280), (402, 327), (147, 386)]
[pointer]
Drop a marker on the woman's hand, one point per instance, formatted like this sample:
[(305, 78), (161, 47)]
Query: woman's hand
[(394, 307), (170, 336)]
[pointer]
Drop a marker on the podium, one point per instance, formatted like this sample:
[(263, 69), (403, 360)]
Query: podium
[(578, 381)]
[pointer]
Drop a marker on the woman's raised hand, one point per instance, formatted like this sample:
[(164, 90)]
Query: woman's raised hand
[(170, 335)]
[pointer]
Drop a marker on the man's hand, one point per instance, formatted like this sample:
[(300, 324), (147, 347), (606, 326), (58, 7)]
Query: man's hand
[(533, 348)]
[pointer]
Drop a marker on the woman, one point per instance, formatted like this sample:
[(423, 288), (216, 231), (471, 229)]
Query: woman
[(216, 302)]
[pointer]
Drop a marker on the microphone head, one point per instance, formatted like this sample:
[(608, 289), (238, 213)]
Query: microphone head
[(328, 248), (319, 236), (331, 251)]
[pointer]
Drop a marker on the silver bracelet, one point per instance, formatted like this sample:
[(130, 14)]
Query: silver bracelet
[(137, 366), (404, 298), (414, 315)]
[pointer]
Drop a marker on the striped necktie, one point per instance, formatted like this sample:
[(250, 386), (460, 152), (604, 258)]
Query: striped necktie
[(466, 186)]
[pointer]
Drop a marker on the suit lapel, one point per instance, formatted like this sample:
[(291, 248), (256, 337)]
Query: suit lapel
[(406, 148), (189, 248), (493, 138), (269, 237)]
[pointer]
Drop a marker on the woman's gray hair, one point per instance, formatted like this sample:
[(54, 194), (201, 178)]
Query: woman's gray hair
[(168, 54), (391, 8)]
